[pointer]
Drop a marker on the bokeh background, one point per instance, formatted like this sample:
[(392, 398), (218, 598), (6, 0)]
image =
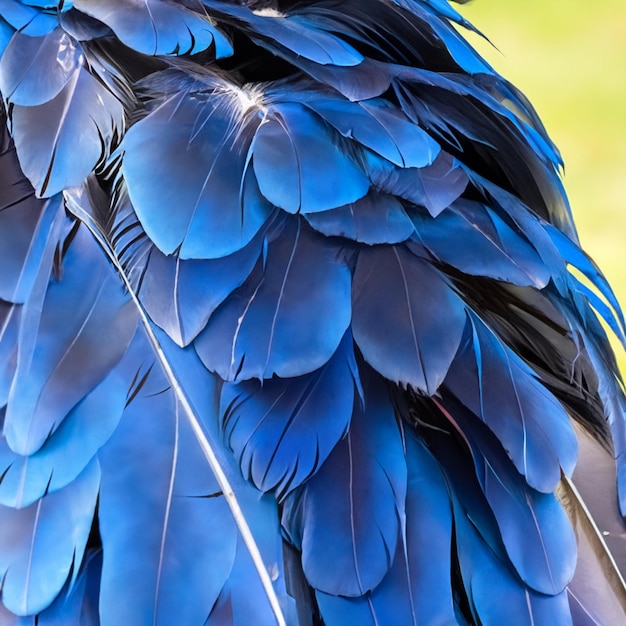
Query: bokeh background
[(569, 58)]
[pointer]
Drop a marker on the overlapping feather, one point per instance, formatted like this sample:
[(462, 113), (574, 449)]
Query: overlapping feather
[(347, 398)]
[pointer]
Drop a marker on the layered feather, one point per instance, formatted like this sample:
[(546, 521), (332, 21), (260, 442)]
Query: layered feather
[(287, 327)]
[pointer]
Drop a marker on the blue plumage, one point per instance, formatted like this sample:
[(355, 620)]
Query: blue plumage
[(288, 328)]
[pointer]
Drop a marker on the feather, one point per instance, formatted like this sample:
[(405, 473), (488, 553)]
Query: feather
[(283, 431), (56, 339), (288, 317), (29, 20), (181, 208), (158, 26), (431, 310), (333, 505), (486, 245), (375, 218), (180, 295), (287, 331), (379, 127), (293, 33), (40, 543), (82, 118), (25, 222), (33, 70), (293, 150), (500, 389)]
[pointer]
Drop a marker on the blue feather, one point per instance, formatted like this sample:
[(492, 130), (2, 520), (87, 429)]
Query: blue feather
[(33, 70), (180, 295), (358, 493), (28, 19), (158, 27), (348, 398), (295, 33), (57, 335), (82, 117), (434, 187), (40, 543), (169, 537), (379, 127), (424, 303), (182, 207), (69, 449), (293, 152), (288, 317), (283, 430), (502, 391), (376, 218), (473, 239)]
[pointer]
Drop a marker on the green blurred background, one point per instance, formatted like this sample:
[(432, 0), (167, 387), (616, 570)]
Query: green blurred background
[(569, 58)]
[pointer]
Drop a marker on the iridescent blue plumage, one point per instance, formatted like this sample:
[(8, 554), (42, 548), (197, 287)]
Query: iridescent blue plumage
[(288, 331)]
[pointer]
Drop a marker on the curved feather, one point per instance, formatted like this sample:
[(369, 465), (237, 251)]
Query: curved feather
[(348, 528), (473, 239), (33, 70), (56, 339), (291, 32), (158, 26), (536, 533), (500, 389), (423, 302), (40, 543), (81, 119), (180, 295), (375, 218), (288, 317), (181, 203), (418, 588), (25, 223), (70, 448), (283, 430), (381, 128), (27, 19), (293, 151)]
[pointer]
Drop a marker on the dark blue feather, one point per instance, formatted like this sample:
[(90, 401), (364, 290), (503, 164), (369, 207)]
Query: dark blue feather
[(288, 317), (535, 530), (473, 239), (168, 534), (502, 391), (496, 595), (158, 26), (282, 430), (434, 187), (376, 218), (413, 341), (358, 494), (293, 33)]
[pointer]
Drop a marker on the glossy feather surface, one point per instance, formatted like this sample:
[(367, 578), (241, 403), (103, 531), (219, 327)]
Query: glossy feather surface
[(294, 327)]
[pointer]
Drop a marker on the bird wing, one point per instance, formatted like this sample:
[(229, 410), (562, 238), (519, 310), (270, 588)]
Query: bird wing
[(293, 329)]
